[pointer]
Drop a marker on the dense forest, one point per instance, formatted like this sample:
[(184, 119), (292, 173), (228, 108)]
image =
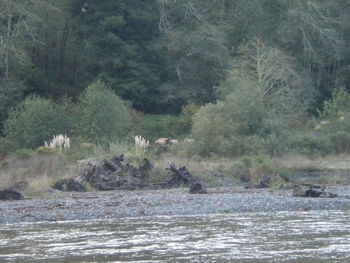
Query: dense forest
[(241, 77)]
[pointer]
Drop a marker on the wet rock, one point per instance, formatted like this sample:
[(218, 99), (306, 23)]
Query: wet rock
[(309, 190), (69, 185), (9, 194)]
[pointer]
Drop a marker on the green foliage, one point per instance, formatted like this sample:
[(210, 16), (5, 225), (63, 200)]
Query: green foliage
[(24, 154), (337, 106), (11, 94), (100, 115), (122, 49), (157, 126), (256, 167), (44, 150), (36, 120), (7, 146), (341, 142), (260, 102), (311, 145), (269, 62)]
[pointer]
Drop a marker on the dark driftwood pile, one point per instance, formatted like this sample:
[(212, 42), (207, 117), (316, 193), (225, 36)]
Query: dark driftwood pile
[(181, 176), (309, 190), (14, 192), (113, 174)]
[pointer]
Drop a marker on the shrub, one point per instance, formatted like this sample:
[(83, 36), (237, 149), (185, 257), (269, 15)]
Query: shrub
[(261, 100), (156, 126), (255, 168), (7, 146), (341, 142), (236, 126), (23, 154), (36, 120), (311, 145), (337, 105), (101, 116)]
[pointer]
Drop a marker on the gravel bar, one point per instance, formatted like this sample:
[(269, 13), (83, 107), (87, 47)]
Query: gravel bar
[(98, 205)]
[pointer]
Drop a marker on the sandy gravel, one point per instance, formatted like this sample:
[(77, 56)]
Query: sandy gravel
[(97, 205)]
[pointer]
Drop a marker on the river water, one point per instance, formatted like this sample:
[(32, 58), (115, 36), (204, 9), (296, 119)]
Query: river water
[(314, 236)]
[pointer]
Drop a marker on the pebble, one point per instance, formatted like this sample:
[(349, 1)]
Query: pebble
[(116, 204)]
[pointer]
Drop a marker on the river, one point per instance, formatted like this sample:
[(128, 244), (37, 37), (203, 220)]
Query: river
[(313, 236)]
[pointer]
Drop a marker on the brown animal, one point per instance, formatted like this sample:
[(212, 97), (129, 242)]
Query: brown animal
[(173, 141), (162, 141)]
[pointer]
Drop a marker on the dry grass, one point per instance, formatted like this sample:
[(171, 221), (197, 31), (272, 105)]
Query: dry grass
[(40, 171), (298, 162), (205, 168)]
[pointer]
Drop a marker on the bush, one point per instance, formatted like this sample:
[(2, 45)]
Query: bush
[(311, 145), (156, 126), (341, 142), (23, 154), (337, 106), (255, 168), (7, 146), (36, 120), (236, 126), (101, 116)]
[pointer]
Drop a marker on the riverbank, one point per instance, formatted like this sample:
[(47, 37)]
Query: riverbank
[(62, 206)]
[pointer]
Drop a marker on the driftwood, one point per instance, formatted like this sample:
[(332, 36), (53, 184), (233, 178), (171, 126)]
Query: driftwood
[(70, 184), (309, 190), (113, 174), (10, 194), (181, 176)]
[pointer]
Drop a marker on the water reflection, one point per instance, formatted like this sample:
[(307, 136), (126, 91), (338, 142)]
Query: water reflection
[(317, 236)]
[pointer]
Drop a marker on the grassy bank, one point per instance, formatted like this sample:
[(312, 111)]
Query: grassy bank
[(42, 170)]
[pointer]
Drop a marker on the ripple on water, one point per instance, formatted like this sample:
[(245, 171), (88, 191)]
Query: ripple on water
[(314, 236)]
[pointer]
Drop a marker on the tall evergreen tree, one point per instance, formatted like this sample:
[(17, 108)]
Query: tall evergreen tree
[(118, 42)]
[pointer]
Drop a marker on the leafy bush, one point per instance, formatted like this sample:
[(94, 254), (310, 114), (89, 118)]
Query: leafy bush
[(337, 105), (156, 126), (11, 95), (23, 154), (311, 145), (7, 146), (101, 116), (255, 168), (257, 104), (341, 142), (239, 125), (36, 120)]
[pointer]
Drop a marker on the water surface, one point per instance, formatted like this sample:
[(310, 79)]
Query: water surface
[(314, 236)]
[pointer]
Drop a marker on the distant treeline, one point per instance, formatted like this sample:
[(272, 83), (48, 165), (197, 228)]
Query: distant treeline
[(284, 57)]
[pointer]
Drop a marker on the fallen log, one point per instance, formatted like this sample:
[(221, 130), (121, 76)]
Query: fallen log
[(309, 190), (181, 176), (9, 194), (69, 185)]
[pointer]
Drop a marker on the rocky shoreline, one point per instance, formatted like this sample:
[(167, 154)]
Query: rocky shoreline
[(62, 206)]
